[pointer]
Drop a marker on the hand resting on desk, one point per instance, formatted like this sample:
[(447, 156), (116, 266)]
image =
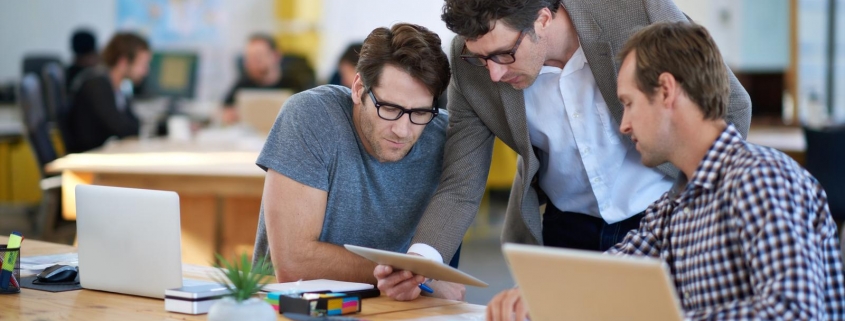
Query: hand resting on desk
[(507, 305), (404, 285)]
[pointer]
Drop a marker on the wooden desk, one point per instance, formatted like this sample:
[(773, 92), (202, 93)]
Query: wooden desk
[(96, 305), (219, 187)]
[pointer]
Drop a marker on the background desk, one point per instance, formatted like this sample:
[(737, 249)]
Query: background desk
[(96, 305), (789, 140), (218, 183)]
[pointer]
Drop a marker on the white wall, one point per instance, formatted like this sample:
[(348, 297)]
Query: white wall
[(33, 26), (753, 35), (46, 25), (347, 21)]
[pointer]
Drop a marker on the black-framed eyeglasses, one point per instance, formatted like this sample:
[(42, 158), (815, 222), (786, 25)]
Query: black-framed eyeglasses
[(502, 58), (419, 116)]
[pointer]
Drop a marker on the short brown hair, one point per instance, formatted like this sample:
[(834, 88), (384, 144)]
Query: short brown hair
[(266, 38), (411, 48), (474, 18), (124, 45), (687, 52)]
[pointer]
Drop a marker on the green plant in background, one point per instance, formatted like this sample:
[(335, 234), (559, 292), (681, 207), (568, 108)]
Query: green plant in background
[(240, 277)]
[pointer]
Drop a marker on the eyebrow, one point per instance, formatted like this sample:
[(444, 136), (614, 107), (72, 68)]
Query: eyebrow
[(383, 102), (498, 51)]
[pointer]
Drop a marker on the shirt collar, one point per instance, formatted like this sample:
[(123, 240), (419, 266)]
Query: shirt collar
[(575, 63), (709, 169)]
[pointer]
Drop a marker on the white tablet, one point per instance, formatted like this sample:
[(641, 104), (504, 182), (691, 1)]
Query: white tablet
[(417, 264)]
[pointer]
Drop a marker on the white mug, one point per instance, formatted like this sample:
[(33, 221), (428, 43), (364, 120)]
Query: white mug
[(179, 128)]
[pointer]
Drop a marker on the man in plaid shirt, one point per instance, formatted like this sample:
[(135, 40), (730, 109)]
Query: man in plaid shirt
[(746, 232)]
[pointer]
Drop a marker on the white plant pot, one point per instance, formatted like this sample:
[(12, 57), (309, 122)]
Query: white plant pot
[(228, 309)]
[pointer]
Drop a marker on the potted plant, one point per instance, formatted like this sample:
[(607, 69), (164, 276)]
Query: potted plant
[(243, 280)]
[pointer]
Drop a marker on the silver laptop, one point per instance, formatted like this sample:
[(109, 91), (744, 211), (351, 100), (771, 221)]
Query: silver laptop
[(128, 239), (563, 284), (258, 108)]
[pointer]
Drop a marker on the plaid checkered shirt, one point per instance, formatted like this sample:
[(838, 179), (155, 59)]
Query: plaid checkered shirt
[(750, 236)]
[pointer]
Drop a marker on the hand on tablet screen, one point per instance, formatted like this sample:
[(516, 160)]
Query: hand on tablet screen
[(404, 285), (398, 285)]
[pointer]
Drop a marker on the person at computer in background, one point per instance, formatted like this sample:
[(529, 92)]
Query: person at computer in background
[(84, 46), (356, 166), (99, 110), (265, 67), (745, 231), (345, 73)]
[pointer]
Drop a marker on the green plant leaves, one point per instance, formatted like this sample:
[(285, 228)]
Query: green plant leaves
[(240, 277)]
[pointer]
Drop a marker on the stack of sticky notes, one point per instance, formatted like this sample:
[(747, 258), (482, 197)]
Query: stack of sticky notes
[(343, 305), (315, 304), (273, 299)]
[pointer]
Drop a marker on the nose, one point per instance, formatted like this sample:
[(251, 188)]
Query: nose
[(625, 125), (402, 126), (496, 71)]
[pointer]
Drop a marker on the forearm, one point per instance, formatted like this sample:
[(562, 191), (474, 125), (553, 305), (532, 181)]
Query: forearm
[(320, 260), (466, 163), (447, 290)]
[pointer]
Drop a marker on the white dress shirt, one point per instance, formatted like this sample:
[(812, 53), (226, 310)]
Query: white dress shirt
[(584, 166)]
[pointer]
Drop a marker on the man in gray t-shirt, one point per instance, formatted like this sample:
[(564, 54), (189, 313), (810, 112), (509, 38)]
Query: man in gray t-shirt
[(355, 166)]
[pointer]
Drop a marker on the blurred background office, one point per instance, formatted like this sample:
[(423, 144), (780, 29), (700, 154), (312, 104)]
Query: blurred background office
[(219, 71)]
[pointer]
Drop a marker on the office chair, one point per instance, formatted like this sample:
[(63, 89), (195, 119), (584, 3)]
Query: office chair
[(825, 159), (49, 224), (54, 89), (53, 77), (34, 63)]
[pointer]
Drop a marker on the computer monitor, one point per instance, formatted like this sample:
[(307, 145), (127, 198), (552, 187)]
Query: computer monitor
[(172, 74)]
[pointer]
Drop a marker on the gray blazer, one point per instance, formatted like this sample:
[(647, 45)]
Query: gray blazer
[(480, 110)]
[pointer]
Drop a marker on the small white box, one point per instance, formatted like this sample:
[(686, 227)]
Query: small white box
[(194, 299)]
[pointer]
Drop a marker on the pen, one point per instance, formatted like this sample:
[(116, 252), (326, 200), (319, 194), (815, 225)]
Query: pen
[(14, 281), (425, 288)]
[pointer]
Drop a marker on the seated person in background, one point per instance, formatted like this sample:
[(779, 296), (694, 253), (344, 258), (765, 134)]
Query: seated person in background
[(99, 110), (356, 166), (265, 68), (84, 46), (746, 232), (345, 73)]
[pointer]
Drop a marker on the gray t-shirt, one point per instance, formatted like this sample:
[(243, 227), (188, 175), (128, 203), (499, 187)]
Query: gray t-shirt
[(370, 204)]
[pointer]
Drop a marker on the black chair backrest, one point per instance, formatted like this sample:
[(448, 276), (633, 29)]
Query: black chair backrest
[(825, 159), (54, 89), (34, 63), (35, 120)]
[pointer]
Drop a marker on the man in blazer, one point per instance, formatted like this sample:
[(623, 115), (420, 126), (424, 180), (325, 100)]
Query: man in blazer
[(541, 76)]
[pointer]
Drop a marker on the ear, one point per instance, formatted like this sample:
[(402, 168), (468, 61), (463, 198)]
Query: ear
[(667, 90), (544, 19), (357, 89)]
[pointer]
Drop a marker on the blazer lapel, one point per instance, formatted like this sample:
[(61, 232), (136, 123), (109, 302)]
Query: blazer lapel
[(513, 102), (602, 64), (599, 53)]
